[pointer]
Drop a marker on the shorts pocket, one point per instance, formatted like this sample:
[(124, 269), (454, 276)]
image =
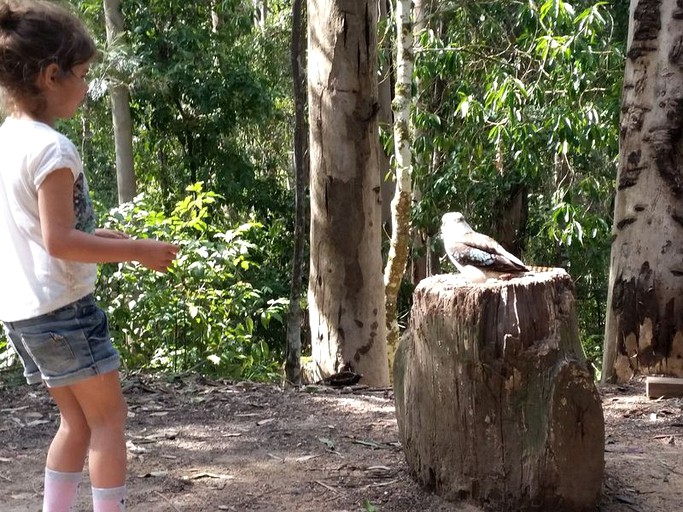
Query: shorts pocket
[(51, 353)]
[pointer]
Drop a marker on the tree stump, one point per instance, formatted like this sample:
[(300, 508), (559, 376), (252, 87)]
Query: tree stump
[(494, 398)]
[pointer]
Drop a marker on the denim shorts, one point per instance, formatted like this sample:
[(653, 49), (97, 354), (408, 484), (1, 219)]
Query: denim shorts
[(66, 345)]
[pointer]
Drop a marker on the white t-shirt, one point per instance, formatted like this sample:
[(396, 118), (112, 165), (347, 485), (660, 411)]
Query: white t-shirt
[(31, 281)]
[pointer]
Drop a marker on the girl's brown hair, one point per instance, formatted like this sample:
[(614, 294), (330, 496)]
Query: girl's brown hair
[(33, 35)]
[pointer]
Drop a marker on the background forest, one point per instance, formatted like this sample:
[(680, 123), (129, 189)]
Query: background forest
[(515, 123)]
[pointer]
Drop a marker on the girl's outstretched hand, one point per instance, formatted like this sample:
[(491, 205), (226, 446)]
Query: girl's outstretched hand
[(155, 254)]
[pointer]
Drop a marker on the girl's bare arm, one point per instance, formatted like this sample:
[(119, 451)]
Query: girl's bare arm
[(62, 240)]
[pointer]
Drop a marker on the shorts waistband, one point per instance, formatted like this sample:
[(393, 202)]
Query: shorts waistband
[(88, 300)]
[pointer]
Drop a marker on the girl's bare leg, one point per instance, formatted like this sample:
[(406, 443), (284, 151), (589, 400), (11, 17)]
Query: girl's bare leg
[(104, 409)]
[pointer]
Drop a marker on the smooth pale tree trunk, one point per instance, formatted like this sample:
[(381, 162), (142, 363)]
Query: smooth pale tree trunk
[(644, 326), (260, 13), (346, 291), (293, 360), (215, 18), (400, 204), (120, 110), (386, 118), (424, 262)]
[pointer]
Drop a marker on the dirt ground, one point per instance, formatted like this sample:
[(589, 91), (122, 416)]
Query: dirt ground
[(196, 445)]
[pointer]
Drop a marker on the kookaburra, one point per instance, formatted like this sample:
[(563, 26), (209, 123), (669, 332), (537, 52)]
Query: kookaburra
[(477, 256)]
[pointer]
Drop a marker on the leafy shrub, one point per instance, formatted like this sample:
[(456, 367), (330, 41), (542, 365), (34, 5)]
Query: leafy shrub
[(202, 314)]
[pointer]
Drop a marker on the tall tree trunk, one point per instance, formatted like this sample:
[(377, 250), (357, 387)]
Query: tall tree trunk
[(423, 261), (400, 205), (644, 326), (260, 13), (120, 109), (346, 292), (385, 116), (215, 18), (293, 360), (510, 223)]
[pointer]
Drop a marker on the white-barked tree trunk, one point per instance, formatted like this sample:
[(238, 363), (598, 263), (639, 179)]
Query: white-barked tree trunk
[(400, 204), (346, 292), (644, 326), (120, 109)]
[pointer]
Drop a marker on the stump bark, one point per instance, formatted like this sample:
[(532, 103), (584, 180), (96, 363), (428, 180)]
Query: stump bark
[(495, 401)]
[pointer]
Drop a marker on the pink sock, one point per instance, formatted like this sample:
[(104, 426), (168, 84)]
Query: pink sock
[(111, 499), (61, 490)]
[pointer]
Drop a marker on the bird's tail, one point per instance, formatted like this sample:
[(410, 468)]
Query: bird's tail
[(538, 270)]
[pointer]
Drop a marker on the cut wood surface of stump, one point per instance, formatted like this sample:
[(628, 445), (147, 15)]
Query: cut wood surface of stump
[(495, 401)]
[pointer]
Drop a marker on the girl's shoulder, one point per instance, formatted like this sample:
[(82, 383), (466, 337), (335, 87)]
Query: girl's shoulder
[(38, 148), (37, 128), (33, 136)]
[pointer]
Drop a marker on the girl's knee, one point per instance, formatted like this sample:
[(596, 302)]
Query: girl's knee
[(77, 427), (102, 402), (123, 412), (112, 417)]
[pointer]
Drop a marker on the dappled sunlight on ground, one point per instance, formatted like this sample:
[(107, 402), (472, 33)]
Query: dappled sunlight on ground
[(196, 445)]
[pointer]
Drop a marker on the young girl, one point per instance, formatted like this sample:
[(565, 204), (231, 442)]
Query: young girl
[(50, 248)]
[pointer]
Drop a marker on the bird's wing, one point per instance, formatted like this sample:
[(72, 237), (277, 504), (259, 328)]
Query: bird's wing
[(483, 251)]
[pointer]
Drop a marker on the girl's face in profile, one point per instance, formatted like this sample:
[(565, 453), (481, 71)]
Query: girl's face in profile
[(72, 87), (63, 91)]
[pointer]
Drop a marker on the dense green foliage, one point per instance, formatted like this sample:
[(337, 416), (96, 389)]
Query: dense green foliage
[(204, 313), (210, 101), (513, 99), (521, 100)]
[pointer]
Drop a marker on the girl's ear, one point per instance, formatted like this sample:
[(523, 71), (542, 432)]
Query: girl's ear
[(47, 78)]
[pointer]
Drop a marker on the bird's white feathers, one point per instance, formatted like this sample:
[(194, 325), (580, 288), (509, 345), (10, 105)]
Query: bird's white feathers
[(477, 256)]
